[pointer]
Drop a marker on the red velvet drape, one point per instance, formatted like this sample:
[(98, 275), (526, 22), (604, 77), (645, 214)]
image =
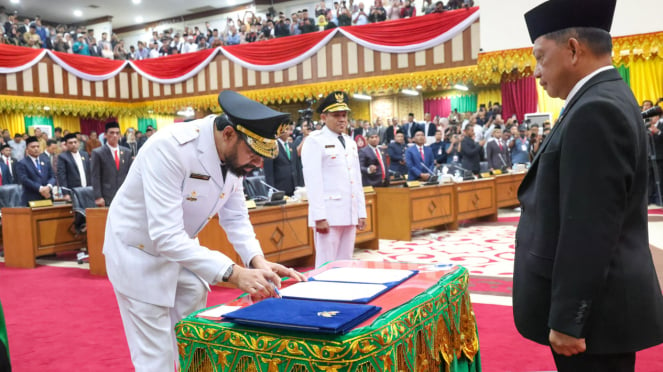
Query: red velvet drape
[(89, 125), (438, 106), (519, 98)]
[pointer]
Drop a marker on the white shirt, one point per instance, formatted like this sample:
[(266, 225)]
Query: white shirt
[(81, 168)]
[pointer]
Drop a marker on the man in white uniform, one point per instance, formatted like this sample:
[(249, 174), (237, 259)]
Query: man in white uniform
[(182, 177), (333, 183)]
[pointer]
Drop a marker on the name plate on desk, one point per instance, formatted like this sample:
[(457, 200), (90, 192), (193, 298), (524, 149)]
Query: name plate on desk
[(497, 172), (368, 189), (250, 204), (485, 175), (413, 184), (40, 203)]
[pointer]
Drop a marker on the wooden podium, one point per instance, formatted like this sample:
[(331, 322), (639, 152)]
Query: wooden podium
[(29, 233)]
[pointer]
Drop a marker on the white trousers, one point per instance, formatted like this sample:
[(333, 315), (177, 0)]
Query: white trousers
[(150, 328), (337, 244)]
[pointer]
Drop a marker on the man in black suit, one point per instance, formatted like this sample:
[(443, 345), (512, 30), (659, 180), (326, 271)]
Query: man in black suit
[(396, 152), (34, 173), (410, 128), (73, 166), (584, 280), (497, 151), (471, 151), (6, 158), (109, 166), (372, 162), (390, 133), (284, 172), (429, 129)]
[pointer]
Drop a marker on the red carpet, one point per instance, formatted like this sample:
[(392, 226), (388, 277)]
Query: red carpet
[(67, 320)]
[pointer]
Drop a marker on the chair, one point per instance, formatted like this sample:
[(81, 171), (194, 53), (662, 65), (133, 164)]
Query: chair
[(255, 189), (10, 196), (81, 199)]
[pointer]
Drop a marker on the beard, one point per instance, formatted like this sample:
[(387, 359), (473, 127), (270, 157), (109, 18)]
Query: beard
[(233, 166)]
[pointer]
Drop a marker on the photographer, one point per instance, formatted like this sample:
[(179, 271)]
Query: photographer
[(453, 150), (378, 14), (535, 140), (520, 146)]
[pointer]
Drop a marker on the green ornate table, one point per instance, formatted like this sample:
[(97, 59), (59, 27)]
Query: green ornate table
[(426, 324)]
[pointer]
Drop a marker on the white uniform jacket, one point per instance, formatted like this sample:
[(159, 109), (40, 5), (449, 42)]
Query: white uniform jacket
[(333, 179), (174, 187)]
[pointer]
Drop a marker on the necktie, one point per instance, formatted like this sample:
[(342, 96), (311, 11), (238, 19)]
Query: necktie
[(500, 143), (117, 161), (38, 165), (377, 154), (287, 150), (421, 151), (340, 138)]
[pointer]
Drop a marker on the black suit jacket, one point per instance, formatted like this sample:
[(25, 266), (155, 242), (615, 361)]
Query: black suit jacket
[(389, 133), (68, 175), (105, 178), (7, 178), (396, 153), (283, 173), (493, 153), (470, 155), (32, 179), (367, 158), (583, 265)]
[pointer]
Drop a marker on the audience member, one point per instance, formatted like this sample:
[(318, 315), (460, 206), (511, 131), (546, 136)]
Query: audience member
[(18, 147), (372, 162), (439, 148), (419, 158), (471, 151), (284, 172), (109, 166), (35, 174), (73, 169), (396, 151)]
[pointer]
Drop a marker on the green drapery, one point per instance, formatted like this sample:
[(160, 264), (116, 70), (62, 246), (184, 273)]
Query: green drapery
[(464, 103), (39, 121), (625, 72), (3, 332), (144, 122)]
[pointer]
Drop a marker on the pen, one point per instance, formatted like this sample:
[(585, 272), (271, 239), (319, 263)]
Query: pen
[(276, 290)]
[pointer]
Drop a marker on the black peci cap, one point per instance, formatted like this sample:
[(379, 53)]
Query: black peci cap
[(335, 101), (69, 136), (555, 15), (30, 140), (259, 123), (112, 124)]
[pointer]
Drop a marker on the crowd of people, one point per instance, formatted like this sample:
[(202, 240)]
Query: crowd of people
[(32, 33)]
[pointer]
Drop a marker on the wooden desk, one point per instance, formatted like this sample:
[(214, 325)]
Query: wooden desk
[(95, 219), (405, 209), (30, 233), (507, 189), (369, 238), (476, 199)]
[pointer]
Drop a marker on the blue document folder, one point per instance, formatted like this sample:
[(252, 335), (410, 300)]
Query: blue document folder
[(303, 315)]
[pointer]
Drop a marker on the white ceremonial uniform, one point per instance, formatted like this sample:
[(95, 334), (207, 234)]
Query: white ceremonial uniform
[(335, 193), (157, 267)]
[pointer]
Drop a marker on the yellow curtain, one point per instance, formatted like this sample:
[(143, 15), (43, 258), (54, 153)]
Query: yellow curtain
[(361, 110), (547, 103), (70, 123), (163, 120), (647, 79), (489, 95), (14, 123), (127, 121)]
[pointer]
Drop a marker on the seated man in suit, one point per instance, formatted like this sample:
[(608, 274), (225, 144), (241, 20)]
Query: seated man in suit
[(284, 172), (471, 151), (34, 173), (6, 158), (5, 176), (109, 166), (73, 166), (396, 151), (419, 158), (372, 161)]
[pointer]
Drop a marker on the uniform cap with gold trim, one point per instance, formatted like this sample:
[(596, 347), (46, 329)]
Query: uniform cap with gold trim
[(335, 101), (260, 124), (556, 15)]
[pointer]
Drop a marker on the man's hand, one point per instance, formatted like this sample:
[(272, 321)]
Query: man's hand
[(67, 197), (361, 224), (100, 202), (255, 281), (424, 176), (322, 226), (259, 262), (45, 191), (566, 345), (482, 142), (372, 169)]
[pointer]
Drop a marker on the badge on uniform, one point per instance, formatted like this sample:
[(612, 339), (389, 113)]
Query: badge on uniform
[(192, 197), (330, 150), (199, 176)]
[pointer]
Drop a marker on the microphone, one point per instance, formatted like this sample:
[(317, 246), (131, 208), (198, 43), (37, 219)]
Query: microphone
[(654, 111), (271, 189)]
